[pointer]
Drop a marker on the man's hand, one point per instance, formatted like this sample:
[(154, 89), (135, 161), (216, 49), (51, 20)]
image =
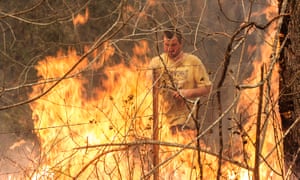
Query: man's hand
[(178, 94), (192, 93)]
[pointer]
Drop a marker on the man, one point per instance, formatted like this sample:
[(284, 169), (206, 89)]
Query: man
[(182, 78)]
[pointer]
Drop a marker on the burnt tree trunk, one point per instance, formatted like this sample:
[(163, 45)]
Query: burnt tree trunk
[(289, 102)]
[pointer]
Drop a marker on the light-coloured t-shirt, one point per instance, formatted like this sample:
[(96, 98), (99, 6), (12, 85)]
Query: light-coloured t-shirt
[(186, 72)]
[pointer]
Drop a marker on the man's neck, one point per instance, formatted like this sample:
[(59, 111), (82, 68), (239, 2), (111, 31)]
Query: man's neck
[(178, 57)]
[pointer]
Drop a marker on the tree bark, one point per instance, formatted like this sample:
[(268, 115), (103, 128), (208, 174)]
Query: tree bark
[(289, 102)]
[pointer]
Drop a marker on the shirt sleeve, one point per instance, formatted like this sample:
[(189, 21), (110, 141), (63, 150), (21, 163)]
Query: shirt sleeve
[(153, 64), (200, 74)]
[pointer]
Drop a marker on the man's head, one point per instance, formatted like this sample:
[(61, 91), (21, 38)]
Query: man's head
[(172, 42)]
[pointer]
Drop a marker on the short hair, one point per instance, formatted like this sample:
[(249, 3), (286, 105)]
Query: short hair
[(171, 31)]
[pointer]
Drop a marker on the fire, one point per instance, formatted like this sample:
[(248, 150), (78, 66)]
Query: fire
[(151, 2), (109, 135), (81, 19), (66, 120), (270, 150)]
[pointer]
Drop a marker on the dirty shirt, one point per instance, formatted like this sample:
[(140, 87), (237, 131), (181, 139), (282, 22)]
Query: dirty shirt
[(187, 72)]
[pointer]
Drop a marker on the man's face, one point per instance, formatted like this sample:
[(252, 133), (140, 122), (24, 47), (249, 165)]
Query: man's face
[(172, 47)]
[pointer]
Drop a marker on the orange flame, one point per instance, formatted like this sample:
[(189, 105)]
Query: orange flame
[(152, 2), (81, 19), (110, 135), (83, 138), (249, 102)]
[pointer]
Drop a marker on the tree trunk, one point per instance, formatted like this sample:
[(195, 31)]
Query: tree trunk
[(290, 83)]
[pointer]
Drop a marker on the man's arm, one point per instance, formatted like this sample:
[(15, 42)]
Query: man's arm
[(193, 93)]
